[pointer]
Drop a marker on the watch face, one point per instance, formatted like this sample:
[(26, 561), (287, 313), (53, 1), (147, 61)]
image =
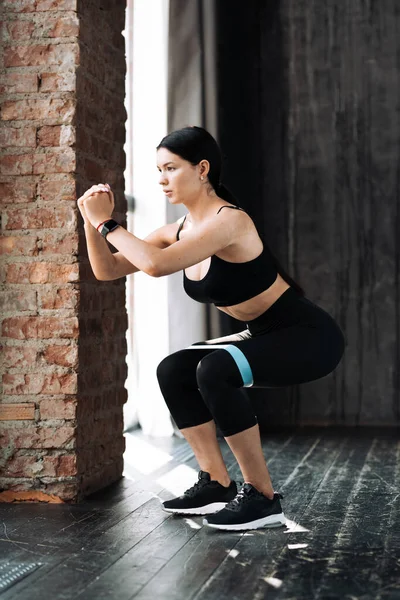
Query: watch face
[(109, 226)]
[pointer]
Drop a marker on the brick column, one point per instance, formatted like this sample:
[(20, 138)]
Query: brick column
[(63, 332)]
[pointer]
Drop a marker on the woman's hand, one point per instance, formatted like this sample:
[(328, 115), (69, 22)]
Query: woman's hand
[(96, 204)]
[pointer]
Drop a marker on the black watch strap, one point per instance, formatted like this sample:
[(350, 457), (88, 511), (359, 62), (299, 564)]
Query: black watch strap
[(108, 226)]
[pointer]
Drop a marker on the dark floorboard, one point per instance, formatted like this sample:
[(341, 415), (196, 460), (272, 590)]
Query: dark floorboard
[(342, 539)]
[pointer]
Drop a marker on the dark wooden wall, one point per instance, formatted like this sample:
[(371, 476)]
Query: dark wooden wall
[(309, 122)]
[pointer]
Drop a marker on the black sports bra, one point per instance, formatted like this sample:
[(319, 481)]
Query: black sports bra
[(227, 283)]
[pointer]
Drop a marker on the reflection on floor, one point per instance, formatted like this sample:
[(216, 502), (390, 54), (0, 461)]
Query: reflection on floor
[(342, 539)]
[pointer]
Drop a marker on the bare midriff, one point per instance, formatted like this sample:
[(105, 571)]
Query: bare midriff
[(253, 308), (246, 249)]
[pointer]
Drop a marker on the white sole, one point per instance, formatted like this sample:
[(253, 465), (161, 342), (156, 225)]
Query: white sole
[(271, 521), (200, 510)]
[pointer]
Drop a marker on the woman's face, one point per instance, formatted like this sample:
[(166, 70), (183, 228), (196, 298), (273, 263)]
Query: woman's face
[(179, 179)]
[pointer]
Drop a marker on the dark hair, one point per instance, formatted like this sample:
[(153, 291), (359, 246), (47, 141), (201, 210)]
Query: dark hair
[(195, 144)]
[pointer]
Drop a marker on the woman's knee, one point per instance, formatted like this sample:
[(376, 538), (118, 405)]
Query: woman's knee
[(218, 368), (167, 367), (175, 366)]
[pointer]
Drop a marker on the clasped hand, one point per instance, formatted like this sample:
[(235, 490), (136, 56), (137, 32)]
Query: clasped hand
[(97, 204)]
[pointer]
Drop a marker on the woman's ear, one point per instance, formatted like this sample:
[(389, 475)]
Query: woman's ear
[(204, 168)]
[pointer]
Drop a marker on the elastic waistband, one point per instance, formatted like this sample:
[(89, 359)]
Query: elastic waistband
[(281, 312)]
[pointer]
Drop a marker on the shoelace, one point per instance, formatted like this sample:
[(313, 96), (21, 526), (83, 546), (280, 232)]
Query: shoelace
[(243, 497), (195, 488)]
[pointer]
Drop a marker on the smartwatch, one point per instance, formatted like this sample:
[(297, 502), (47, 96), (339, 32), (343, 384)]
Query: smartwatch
[(108, 226)]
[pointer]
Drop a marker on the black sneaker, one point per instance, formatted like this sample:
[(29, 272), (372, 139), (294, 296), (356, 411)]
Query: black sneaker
[(204, 497), (250, 509)]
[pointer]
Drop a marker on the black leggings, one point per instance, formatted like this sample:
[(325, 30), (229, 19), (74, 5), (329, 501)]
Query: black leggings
[(293, 342)]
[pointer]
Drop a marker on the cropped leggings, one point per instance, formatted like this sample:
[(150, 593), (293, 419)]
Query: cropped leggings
[(294, 341)]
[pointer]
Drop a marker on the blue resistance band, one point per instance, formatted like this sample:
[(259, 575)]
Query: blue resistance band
[(241, 361)]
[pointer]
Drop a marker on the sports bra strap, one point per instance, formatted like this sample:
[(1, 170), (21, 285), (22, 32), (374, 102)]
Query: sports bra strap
[(180, 228), (183, 222), (226, 206)]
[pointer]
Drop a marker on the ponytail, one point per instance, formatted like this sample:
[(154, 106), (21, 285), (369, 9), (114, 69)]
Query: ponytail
[(283, 273), (223, 192)]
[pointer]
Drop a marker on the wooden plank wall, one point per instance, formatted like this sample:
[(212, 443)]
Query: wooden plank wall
[(309, 117)]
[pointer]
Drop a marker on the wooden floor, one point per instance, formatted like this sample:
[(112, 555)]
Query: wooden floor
[(342, 500)]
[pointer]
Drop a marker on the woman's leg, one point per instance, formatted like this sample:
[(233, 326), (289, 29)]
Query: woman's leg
[(220, 383), (247, 449), (177, 378), (204, 443), (284, 357), (214, 488)]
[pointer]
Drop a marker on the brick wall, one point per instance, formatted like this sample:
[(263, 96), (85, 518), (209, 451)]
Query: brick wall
[(63, 332)]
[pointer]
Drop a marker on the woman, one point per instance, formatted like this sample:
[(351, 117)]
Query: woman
[(288, 340)]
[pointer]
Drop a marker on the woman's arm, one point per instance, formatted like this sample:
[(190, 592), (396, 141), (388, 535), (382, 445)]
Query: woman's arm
[(211, 237), (199, 243), (107, 266), (100, 256)]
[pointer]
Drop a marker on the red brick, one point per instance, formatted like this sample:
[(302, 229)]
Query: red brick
[(66, 491), (24, 245), (90, 303), (16, 164), (55, 161), (62, 189), (17, 300), (53, 26), (19, 357), (60, 109), (14, 82), (67, 465), (2, 272), (19, 30), (56, 243), (42, 437), (54, 298), (39, 383), (57, 135), (60, 384), (40, 218), (49, 135), (40, 327), (65, 55), (91, 118), (45, 98), (40, 272), (59, 466), (29, 465), (54, 408), (24, 466), (94, 91), (22, 136), (17, 411), (103, 429), (102, 478), (18, 6), (64, 26), (14, 192), (58, 82), (94, 171), (64, 356), (47, 5), (38, 5)]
